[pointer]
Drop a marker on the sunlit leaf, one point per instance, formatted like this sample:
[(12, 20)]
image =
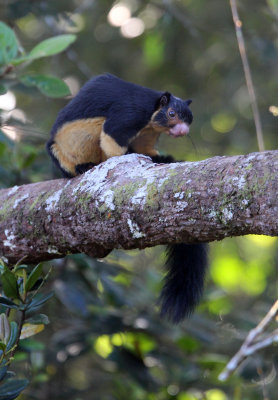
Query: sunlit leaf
[(103, 346), (8, 44), (262, 240), (235, 275), (48, 85), (51, 46), (29, 330), (215, 394), (46, 48)]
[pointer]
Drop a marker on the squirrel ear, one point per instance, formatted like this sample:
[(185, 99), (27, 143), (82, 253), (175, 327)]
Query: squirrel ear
[(164, 99), (188, 102)]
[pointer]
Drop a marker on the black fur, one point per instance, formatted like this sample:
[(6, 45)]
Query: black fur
[(184, 281), (81, 168), (126, 106)]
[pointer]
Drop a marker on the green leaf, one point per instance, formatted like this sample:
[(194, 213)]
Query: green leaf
[(39, 300), (3, 149), (21, 271), (46, 48), (3, 371), (19, 267), (5, 329), (41, 378), (153, 50), (48, 85), (38, 319), (33, 277), (2, 346), (3, 90), (32, 345), (12, 388), (8, 303), (13, 335), (29, 160), (8, 44), (9, 283), (9, 375), (51, 46)]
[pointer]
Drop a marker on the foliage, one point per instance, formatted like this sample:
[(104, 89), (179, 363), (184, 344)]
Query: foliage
[(9, 59), (20, 299), (106, 340)]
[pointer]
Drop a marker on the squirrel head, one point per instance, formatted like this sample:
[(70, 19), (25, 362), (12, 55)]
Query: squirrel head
[(173, 115)]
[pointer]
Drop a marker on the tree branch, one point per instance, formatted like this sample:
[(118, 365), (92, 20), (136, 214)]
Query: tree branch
[(253, 343), (129, 202)]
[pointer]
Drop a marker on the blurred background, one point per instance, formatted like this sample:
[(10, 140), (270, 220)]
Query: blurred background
[(105, 340)]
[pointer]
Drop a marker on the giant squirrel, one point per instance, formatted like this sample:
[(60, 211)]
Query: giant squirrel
[(111, 117)]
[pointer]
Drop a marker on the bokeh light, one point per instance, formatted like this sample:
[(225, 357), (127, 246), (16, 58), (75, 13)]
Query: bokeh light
[(7, 101), (119, 14), (132, 28)]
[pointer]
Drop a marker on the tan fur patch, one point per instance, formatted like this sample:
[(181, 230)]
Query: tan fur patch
[(145, 141), (78, 142), (110, 147)]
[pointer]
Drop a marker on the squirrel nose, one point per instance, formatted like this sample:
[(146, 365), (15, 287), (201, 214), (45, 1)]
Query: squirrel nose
[(180, 129)]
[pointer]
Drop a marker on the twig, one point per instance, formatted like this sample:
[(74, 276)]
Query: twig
[(250, 346), (248, 77)]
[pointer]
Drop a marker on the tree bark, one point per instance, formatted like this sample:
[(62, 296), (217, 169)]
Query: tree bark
[(129, 202)]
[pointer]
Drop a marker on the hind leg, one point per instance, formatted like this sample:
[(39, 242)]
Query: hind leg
[(76, 145)]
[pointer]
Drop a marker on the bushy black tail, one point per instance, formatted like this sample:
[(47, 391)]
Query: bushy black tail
[(184, 281)]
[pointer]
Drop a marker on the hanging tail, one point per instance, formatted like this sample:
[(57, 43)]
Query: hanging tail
[(184, 282)]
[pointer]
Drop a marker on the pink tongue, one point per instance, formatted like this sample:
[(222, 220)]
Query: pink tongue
[(180, 130)]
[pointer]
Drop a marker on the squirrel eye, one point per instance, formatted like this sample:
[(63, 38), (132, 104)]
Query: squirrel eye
[(171, 114)]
